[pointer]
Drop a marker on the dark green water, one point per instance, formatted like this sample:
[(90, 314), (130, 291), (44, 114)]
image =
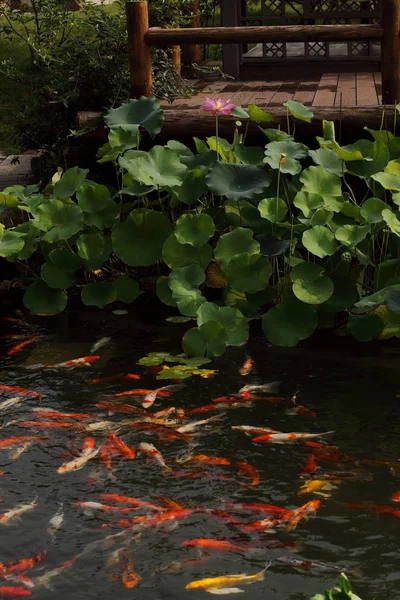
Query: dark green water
[(352, 390)]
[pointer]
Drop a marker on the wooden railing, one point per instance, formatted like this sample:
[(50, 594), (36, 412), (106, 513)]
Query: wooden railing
[(142, 37)]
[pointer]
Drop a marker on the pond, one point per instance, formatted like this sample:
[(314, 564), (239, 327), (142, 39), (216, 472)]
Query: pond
[(352, 389)]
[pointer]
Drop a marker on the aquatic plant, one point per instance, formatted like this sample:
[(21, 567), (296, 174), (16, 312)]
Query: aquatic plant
[(340, 592), (300, 238)]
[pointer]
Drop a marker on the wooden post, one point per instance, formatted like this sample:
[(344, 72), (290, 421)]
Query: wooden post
[(137, 22), (192, 52), (230, 52), (390, 21), (176, 59)]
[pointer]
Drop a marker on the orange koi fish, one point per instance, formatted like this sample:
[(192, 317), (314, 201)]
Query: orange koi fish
[(54, 414), (225, 399), (122, 408), (128, 576), (247, 367), (170, 503), (249, 472), (153, 454), (118, 377), (223, 516), (203, 409), (396, 497), (14, 441), (105, 455), (289, 518), (24, 564), (122, 448), (88, 445), (135, 502), (171, 515), (332, 454), (269, 509), (310, 465), (165, 430), (19, 390), (287, 438), (210, 460), (213, 545), (76, 362), (13, 592), (297, 409), (379, 510), (22, 345), (154, 369), (250, 430), (47, 424), (141, 392)]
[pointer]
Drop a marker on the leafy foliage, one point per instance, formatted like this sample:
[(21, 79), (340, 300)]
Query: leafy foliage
[(227, 233)]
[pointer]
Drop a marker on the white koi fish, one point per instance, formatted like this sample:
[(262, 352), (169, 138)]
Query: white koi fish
[(15, 513)]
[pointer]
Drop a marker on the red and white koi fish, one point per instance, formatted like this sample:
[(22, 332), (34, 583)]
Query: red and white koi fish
[(15, 513), (170, 518), (153, 454), (121, 448), (142, 392), (116, 407), (247, 367), (250, 430), (78, 463), (246, 390), (249, 472), (117, 377), (166, 432), (289, 519), (15, 441), (45, 579), (49, 413), (15, 567), (134, 502), (288, 438), (19, 390), (297, 409), (88, 507), (22, 345), (150, 397), (84, 361)]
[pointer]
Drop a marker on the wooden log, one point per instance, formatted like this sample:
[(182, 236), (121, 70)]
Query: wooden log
[(390, 21), (137, 21), (176, 59), (281, 33)]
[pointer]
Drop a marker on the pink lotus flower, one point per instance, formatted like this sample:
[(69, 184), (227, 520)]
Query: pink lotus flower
[(218, 107)]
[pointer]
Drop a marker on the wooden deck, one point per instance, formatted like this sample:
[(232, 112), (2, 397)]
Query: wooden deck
[(326, 90)]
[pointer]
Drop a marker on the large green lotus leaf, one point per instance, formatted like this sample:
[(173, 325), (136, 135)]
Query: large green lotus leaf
[(177, 255), (329, 160), (160, 167), (349, 209), (235, 324), (392, 221), (249, 272), (8, 200), (11, 242), (64, 259), (374, 300), (241, 213), (319, 240), (353, 152), (70, 182), (299, 111), (250, 155), (164, 292), (31, 240), (365, 328), (322, 216), (374, 161), (273, 209), (41, 299), (94, 249), (98, 294), (318, 180), (392, 300), (98, 207), (126, 288), (388, 181), (235, 242), (139, 240), (208, 340), (344, 296), (387, 274), (258, 115), (308, 203), (276, 135), (61, 221), (393, 167), (284, 156), (180, 148), (134, 188), (289, 322), (192, 188), (201, 160), (309, 283), (184, 283), (237, 181), (145, 112), (121, 140), (194, 229), (352, 235), (55, 277)]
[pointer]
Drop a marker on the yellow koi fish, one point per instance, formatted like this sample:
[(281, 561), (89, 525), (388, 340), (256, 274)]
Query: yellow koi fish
[(226, 584)]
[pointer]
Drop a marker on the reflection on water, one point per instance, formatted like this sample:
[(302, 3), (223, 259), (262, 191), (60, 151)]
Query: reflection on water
[(351, 392)]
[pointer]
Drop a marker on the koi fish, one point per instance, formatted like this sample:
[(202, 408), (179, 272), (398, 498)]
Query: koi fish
[(15, 454), (22, 345), (396, 497), (24, 564), (122, 408), (48, 413), (78, 463), (213, 545), (302, 563), (44, 580), (178, 566), (122, 448), (290, 518), (100, 344), (247, 367), (151, 397), (310, 465), (76, 362), (194, 424), (10, 402), (287, 438), (129, 578), (13, 592), (116, 498), (170, 503), (245, 391), (250, 472), (170, 518), (263, 508), (226, 584), (153, 454), (316, 487), (117, 377), (88, 446), (210, 460), (15, 513), (163, 414), (223, 516), (56, 521), (19, 390), (14, 321), (90, 506), (98, 426), (47, 425), (297, 409), (164, 430), (249, 430), (203, 409), (142, 392), (338, 475), (379, 510), (14, 441), (105, 455)]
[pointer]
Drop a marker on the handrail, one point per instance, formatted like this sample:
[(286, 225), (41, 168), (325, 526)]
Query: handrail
[(141, 37), (156, 36)]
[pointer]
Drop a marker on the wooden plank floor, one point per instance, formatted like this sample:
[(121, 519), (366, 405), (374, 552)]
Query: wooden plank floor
[(326, 90)]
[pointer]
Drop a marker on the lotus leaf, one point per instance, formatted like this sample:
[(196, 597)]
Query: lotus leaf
[(70, 182), (392, 221), (365, 328), (237, 181), (272, 246), (64, 259), (258, 115), (120, 140), (299, 111), (177, 255), (284, 156), (94, 249), (318, 180), (276, 135), (308, 203), (97, 206), (329, 160), (344, 295), (249, 272), (273, 209), (208, 340), (235, 242), (139, 240), (61, 221), (375, 160), (319, 240), (98, 294), (145, 112), (192, 188), (160, 167), (126, 288), (352, 235), (194, 229), (373, 300), (41, 299), (388, 181), (234, 323), (289, 322), (322, 216), (8, 201), (250, 155), (11, 242), (164, 292), (243, 214), (184, 283), (31, 240), (309, 283), (55, 277)]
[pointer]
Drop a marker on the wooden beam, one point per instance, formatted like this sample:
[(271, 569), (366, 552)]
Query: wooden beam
[(281, 33), (137, 22), (230, 52), (390, 20)]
